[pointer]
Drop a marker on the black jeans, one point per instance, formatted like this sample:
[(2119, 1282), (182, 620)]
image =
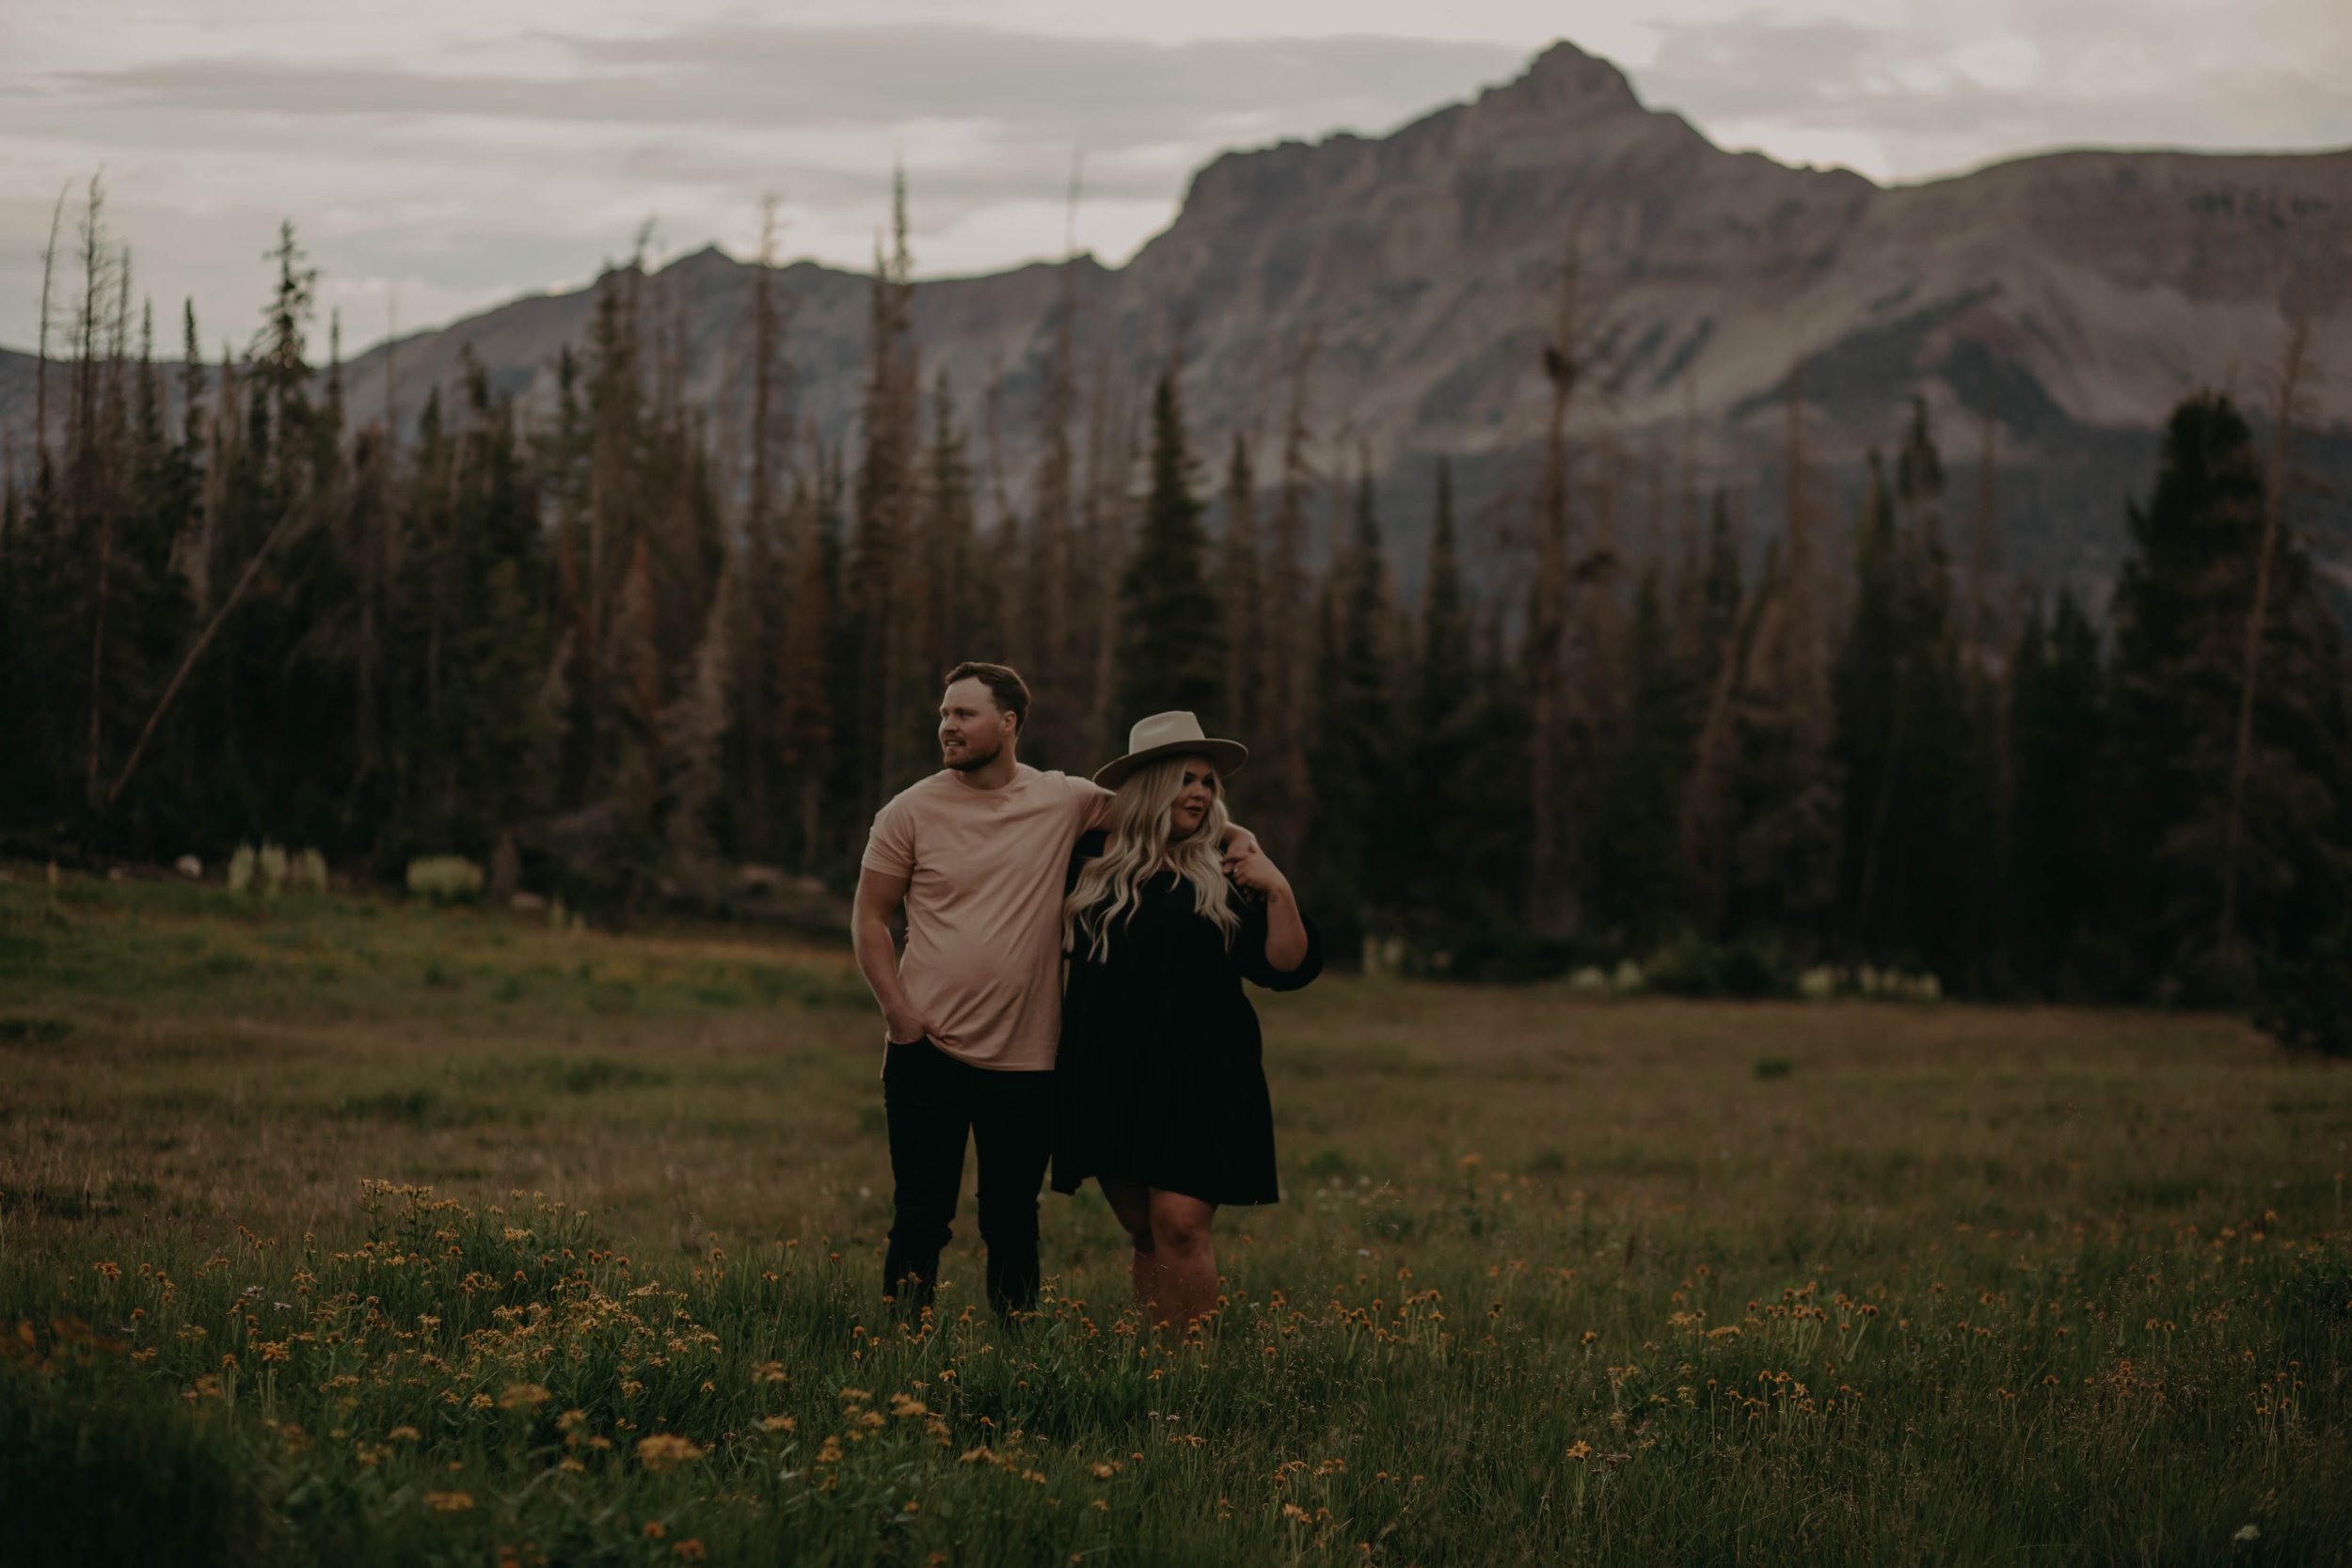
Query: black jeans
[(930, 1100)]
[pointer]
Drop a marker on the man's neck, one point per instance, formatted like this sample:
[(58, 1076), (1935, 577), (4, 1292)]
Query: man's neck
[(994, 773)]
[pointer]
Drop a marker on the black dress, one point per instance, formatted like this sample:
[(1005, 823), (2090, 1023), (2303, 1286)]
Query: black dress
[(1158, 1078)]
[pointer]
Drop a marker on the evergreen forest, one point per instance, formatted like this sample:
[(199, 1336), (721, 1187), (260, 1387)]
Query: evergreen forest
[(623, 653)]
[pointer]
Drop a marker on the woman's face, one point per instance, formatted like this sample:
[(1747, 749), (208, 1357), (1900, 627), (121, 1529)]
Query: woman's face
[(1193, 797)]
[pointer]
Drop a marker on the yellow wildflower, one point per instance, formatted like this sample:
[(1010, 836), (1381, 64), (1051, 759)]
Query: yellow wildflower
[(665, 1449)]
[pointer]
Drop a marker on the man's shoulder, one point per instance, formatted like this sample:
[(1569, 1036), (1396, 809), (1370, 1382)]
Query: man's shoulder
[(922, 788), (1068, 783)]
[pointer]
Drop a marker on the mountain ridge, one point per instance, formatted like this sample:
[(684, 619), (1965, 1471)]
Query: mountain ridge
[(2076, 294)]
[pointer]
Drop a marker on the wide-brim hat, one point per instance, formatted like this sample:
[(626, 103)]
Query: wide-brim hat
[(1171, 735)]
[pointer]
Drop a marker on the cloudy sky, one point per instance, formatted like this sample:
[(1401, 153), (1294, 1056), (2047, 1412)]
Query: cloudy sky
[(439, 156)]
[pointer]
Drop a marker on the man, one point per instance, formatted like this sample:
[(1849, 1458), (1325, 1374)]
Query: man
[(976, 853)]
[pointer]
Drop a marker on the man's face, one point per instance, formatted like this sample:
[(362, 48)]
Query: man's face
[(973, 730)]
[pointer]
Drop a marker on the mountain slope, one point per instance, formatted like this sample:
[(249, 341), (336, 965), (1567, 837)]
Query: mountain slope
[(2078, 296)]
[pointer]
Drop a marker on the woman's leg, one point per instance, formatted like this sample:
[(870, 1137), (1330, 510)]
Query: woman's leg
[(1185, 1263), (1132, 1202)]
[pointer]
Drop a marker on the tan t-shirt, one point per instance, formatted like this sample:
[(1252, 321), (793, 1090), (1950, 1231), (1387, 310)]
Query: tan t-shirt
[(985, 869)]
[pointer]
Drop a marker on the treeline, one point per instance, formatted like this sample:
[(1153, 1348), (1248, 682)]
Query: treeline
[(624, 651)]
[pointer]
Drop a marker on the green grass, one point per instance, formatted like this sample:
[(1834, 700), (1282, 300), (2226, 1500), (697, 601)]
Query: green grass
[(1555, 1280)]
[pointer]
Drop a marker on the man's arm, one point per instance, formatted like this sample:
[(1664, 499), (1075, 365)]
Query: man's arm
[(1239, 841), (879, 892)]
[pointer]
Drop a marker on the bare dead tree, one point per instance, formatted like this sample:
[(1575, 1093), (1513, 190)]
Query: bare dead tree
[(2285, 410), (1548, 610), (1287, 801), (1982, 533), (92, 463), (40, 361), (270, 541)]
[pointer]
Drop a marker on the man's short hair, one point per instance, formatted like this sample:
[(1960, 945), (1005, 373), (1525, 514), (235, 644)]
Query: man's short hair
[(1004, 683)]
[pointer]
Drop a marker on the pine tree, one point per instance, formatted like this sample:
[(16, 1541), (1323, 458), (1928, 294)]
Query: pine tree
[(1171, 651), (1278, 792), (696, 724), (1354, 855), (1442, 693), (1638, 889), (2181, 607), (1904, 741), (1784, 791), (1040, 626), (1550, 856), (1240, 589), (879, 730), (947, 562), (767, 549), (807, 678), (1482, 838), (1096, 569), (2057, 871)]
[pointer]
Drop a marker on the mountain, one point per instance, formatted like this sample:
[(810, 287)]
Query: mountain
[(2078, 294)]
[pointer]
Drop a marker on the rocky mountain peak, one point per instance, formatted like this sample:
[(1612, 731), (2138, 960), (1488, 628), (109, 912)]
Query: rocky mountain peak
[(1565, 83)]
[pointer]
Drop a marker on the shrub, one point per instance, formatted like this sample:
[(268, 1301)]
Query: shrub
[(263, 872), (1506, 957), (1703, 969), (2306, 1002), (445, 878)]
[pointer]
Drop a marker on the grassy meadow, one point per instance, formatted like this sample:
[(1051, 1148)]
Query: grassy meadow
[(340, 1230)]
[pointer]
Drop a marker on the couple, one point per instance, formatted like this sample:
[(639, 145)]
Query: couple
[(1145, 1076)]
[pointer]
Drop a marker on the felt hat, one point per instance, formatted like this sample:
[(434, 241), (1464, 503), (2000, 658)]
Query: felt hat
[(1171, 735)]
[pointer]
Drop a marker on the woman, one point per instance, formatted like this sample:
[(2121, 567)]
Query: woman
[(1160, 1094)]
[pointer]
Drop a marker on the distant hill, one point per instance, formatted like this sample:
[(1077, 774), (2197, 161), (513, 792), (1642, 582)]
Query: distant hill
[(2080, 295)]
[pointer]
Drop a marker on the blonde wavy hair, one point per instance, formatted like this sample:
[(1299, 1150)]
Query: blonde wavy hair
[(1142, 813)]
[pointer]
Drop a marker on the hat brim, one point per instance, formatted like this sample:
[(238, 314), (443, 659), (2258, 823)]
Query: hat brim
[(1226, 756)]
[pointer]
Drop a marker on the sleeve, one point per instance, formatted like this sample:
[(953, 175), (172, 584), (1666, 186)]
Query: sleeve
[(1249, 949), (1094, 804), (890, 847), (1090, 848)]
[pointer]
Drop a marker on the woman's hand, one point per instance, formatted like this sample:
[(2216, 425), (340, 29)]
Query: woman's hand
[(1256, 872)]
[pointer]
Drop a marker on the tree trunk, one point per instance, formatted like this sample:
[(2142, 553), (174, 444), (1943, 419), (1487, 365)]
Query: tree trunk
[(2274, 504)]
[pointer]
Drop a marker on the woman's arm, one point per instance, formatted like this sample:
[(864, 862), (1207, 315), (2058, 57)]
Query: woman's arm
[(1286, 931)]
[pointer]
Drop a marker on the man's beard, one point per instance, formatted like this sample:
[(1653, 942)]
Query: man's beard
[(973, 759)]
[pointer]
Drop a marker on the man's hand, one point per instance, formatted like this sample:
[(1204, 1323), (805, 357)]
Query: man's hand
[(906, 1027), (1240, 844), (879, 893)]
